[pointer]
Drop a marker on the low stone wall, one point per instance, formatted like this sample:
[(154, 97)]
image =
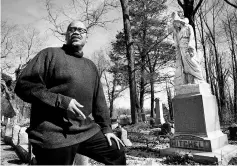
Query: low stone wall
[(17, 137)]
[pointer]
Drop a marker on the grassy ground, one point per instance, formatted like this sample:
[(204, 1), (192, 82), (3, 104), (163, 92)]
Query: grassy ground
[(9, 156), (141, 153)]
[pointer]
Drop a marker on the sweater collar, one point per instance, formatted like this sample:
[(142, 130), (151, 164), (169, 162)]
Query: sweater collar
[(71, 51)]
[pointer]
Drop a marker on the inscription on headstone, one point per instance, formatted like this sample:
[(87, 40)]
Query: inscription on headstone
[(190, 142)]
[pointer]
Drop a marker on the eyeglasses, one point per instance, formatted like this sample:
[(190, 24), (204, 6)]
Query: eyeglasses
[(74, 29)]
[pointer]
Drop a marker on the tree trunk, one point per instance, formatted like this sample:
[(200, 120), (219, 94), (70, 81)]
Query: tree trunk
[(204, 48), (131, 61), (111, 108), (152, 96), (234, 68), (169, 98), (142, 83)]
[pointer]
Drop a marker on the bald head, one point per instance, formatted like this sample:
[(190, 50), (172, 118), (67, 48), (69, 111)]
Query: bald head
[(76, 34), (77, 23)]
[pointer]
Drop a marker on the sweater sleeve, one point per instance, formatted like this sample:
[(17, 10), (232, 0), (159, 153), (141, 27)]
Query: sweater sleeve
[(31, 85), (100, 110)]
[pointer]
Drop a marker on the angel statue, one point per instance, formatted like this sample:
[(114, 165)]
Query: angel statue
[(188, 69)]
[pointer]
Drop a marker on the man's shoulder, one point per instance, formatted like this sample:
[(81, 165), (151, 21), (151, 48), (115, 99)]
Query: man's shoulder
[(51, 49), (49, 52), (89, 61)]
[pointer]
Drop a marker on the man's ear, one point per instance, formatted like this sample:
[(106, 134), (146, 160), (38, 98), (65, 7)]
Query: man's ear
[(66, 37), (86, 37)]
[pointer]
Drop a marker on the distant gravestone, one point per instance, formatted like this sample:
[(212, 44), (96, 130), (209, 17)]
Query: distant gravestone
[(143, 116), (233, 131), (8, 134), (122, 134), (159, 112), (15, 133), (124, 120), (165, 129), (124, 137), (23, 136), (152, 121), (114, 123), (81, 160), (2, 119), (3, 131)]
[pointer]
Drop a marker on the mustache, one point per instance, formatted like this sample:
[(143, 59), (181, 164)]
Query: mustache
[(76, 37)]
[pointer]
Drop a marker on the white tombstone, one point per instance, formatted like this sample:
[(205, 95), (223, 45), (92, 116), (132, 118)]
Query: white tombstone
[(159, 112), (23, 136), (8, 120), (15, 133), (124, 137)]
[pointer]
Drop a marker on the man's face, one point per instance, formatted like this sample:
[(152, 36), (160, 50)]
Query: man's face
[(76, 34)]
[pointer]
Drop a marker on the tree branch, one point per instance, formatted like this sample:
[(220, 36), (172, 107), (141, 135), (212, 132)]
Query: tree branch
[(231, 4), (180, 3), (198, 5)]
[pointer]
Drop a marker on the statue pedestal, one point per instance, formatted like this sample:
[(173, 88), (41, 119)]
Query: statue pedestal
[(192, 89), (196, 121)]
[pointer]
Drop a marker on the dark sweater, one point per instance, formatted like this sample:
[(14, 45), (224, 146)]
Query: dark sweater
[(50, 80)]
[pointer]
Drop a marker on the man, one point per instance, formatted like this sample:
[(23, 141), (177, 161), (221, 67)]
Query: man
[(65, 92)]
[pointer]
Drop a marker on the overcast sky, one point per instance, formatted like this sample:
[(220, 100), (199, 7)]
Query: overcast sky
[(33, 12), (23, 12)]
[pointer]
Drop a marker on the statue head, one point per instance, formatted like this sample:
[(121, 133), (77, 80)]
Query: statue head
[(178, 18)]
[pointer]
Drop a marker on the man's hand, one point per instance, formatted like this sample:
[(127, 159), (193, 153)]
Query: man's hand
[(74, 108), (117, 140)]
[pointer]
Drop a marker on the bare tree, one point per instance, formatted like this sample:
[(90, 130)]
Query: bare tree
[(7, 34), (215, 59), (29, 43), (232, 4), (114, 90), (135, 108), (169, 99), (21, 42), (162, 57), (93, 13), (203, 41), (229, 25), (148, 30), (101, 62)]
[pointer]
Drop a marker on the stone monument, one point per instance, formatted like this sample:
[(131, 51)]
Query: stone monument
[(159, 112), (196, 119)]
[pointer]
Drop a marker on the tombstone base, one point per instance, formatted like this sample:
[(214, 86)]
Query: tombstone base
[(214, 141), (221, 156)]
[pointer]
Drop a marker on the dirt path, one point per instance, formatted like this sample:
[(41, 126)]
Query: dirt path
[(9, 156)]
